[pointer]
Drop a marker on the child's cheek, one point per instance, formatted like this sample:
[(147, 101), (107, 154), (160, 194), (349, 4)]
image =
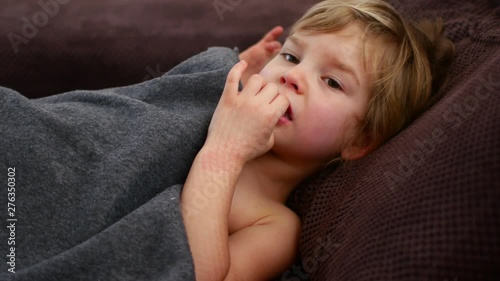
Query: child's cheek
[(265, 74), (269, 70), (322, 133)]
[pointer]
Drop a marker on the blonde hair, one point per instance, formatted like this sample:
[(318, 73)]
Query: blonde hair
[(409, 68)]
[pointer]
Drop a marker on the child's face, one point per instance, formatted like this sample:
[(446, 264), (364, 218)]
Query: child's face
[(324, 78)]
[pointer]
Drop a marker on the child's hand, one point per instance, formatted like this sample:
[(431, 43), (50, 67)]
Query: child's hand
[(243, 123), (259, 54)]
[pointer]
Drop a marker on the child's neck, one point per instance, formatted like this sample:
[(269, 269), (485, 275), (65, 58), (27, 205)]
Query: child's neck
[(262, 189), (273, 177)]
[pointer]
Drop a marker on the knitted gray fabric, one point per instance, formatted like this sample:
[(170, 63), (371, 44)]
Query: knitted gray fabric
[(98, 175)]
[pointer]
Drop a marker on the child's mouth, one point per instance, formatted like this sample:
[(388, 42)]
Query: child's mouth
[(287, 117), (288, 113)]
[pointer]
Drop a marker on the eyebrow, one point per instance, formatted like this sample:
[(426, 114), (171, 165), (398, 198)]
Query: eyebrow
[(340, 64)]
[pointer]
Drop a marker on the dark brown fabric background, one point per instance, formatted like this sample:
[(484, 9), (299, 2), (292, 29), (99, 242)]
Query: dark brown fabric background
[(422, 207), (92, 44)]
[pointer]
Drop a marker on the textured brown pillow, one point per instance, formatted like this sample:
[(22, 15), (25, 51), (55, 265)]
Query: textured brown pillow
[(424, 206)]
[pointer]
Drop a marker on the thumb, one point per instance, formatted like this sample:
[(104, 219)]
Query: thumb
[(274, 33)]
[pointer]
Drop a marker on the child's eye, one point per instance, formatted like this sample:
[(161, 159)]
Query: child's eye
[(290, 58), (332, 83)]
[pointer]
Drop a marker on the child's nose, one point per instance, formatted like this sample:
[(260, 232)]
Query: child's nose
[(291, 81)]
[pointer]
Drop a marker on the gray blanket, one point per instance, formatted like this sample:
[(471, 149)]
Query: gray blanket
[(94, 177)]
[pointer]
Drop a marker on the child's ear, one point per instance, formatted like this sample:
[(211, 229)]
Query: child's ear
[(359, 150)]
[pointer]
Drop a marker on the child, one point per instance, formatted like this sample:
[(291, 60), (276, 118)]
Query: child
[(98, 174), (350, 75)]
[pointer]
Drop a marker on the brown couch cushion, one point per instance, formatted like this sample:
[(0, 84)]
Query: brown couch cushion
[(425, 205), (99, 44)]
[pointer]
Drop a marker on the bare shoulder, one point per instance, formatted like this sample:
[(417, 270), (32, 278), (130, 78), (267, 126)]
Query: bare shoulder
[(271, 241), (283, 222), (248, 209), (282, 216)]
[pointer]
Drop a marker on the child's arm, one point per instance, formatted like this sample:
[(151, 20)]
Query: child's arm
[(241, 129), (206, 201), (259, 54)]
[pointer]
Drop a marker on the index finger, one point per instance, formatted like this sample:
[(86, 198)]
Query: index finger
[(234, 76)]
